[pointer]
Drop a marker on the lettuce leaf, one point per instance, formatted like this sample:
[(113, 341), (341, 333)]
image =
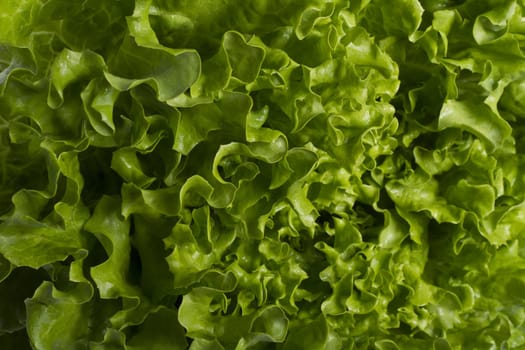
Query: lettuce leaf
[(318, 174)]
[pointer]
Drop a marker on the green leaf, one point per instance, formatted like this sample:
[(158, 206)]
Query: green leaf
[(49, 316), (112, 230), (169, 72), (476, 118), (318, 174), (399, 18), (28, 242)]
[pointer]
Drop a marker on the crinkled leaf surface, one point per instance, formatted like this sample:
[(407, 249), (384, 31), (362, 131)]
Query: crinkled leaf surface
[(318, 174)]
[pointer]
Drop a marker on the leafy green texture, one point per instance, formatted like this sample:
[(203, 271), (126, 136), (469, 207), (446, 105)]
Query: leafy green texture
[(318, 174)]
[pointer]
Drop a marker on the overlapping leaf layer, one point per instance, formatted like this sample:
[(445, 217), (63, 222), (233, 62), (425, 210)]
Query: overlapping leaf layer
[(317, 174)]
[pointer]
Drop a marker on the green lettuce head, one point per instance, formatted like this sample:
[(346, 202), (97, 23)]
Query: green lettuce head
[(316, 174)]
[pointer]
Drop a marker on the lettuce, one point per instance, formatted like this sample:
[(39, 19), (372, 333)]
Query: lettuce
[(320, 174)]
